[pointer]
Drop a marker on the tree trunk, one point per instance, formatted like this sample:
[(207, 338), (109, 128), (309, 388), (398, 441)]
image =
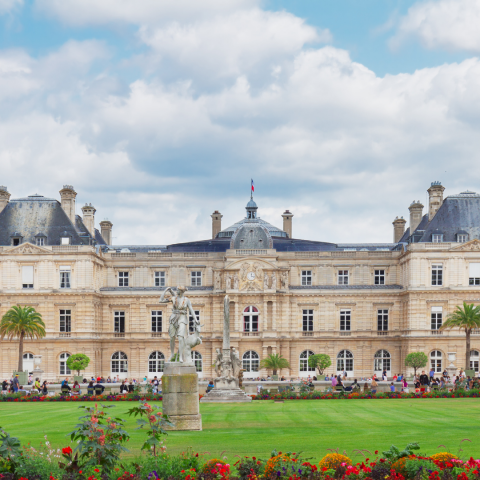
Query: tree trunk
[(274, 371), (20, 353), (467, 360)]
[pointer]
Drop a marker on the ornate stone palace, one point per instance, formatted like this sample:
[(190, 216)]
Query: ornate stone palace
[(366, 305)]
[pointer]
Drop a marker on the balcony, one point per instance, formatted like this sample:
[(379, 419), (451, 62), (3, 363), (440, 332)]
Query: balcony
[(65, 334), (382, 334), (345, 334), (307, 334), (156, 334), (251, 334), (436, 332), (119, 335)]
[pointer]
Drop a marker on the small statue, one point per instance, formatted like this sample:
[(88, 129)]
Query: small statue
[(218, 362), (235, 282), (240, 378), (236, 362), (284, 279), (228, 281), (218, 281), (274, 281), (265, 281)]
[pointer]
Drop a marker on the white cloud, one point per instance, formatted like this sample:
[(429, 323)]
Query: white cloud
[(9, 5), (447, 24), (94, 12)]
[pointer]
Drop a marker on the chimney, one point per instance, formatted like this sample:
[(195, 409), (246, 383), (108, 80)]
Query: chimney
[(287, 222), (68, 194), (398, 229), (435, 198), (106, 227), (4, 197), (416, 213), (88, 211), (216, 223)]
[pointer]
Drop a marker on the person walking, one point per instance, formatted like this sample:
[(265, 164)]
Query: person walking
[(44, 388), (15, 384), (424, 380), (374, 385)]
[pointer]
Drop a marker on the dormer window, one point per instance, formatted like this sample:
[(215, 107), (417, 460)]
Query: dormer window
[(40, 239), (462, 236), (437, 238), (64, 240), (16, 239)]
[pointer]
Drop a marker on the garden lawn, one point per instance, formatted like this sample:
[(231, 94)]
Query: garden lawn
[(308, 426)]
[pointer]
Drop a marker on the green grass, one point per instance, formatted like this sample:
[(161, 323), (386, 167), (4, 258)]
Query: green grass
[(310, 426)]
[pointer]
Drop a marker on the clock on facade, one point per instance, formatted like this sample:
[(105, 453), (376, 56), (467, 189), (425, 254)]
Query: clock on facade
[(251, 275)]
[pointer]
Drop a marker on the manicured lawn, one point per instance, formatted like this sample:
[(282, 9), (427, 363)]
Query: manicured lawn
[(310, 426)]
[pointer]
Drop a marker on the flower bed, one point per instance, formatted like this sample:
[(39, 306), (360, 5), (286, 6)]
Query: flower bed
[(364, 396), (79, 398)]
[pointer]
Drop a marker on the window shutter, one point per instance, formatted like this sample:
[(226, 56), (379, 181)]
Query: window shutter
[(27, 275), (474, 270)]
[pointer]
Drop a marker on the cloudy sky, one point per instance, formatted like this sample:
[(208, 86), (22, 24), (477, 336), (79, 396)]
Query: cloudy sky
[(160, 111)]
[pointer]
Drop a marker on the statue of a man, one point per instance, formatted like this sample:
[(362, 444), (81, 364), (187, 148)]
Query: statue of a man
[(265, 280), (178, 327), (235, 282), (274, 281), (218, 362), (236, 362)]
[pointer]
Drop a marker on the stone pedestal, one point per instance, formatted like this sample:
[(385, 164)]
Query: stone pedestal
[(180, 396), (226, 391)]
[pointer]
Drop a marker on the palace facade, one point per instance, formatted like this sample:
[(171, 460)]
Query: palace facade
[(366, 305)]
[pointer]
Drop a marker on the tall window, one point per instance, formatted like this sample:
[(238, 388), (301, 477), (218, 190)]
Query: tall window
[(436, 361), (28, 362), (345, 317), (382, 361), (474, 274), (308, 320), (197, 360), (251, 361), (159, 279), (65, 320), (250, 319), (304, 356), (119, 362), (119, 322), (437, 275), (156, 362), (436, 318), (157, 317), (64, 370), (191, 321), (65, 277), (379, 277), (196, 279), (123, 279), (306, 277), (345, 361), (382, 320), (27, 276), (474, 360), (343, 277)]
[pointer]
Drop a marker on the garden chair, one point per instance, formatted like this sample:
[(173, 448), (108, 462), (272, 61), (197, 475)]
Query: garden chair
[(98, 391), (90, 391), (65, 391)]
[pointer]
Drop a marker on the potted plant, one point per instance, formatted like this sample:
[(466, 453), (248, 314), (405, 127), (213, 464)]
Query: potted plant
[(320, 361), (274, 362), (77, 362)]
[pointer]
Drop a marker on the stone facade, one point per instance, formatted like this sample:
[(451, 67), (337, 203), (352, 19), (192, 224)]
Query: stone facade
[(361, 301)]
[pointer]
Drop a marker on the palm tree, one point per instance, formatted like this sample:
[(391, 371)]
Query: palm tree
[(22, 322), (467, 319), (274, 362)]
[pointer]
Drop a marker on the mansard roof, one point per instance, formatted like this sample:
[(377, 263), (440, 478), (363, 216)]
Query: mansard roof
[(28, 216)]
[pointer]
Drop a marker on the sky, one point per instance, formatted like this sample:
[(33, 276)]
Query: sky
[(160, 112)]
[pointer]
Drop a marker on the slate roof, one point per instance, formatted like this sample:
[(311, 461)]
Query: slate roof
[(34, 215)]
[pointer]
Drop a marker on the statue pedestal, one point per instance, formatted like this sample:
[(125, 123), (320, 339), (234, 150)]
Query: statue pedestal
[(226, 391), (180, 396)]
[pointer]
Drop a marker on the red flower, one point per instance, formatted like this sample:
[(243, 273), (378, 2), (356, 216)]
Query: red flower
[(96, 470), (376, 452), (67, 450)]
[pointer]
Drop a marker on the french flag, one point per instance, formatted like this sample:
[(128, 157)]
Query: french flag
[(253, 186)]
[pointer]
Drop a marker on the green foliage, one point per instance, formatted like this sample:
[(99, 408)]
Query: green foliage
[(156, 423), (395, 453), (22, 322), (320, 361), (9, 451), (99, 437), (247, 466), (77, 362), (416, 360), (274, 362), (422, 466), (34, 465)]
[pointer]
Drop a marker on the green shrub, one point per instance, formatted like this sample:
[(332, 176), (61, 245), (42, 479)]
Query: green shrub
[(38, 467)]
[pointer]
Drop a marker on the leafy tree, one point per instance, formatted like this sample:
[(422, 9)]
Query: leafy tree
[(416, 360), (274, 362), (22, 322), (320, 361), (77, 362), (466, 318)]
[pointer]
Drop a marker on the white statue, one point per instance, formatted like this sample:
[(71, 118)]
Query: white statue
[(274, 281), (218, 362), (228, 281), (284, 279), (236, 362), (218, 281), (265, 280), (178, 327), (235, 282)]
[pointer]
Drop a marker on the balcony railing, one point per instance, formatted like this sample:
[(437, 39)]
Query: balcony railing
[(345, 334), (119, 335), (64, 334), (436, 332), (156, 334), (382, 334), (251, 334), (307, 334)]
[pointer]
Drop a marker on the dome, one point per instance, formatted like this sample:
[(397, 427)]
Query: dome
[(251, 204)]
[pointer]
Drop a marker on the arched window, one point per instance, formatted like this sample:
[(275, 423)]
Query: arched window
[(436, 361), (250, 361), (382, 361), (250, 319), (119, 363), (156, 362), (64, 370), (28, 362), (304, 368), (345, 362), (474, 360), (197, 360)]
